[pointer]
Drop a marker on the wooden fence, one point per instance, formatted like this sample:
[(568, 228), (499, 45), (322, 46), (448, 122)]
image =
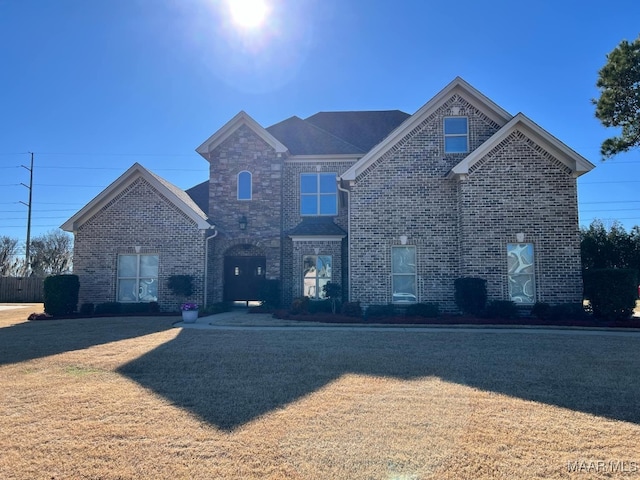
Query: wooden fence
[(21, 289)]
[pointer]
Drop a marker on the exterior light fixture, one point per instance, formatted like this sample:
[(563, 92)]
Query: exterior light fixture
[(242, 221)]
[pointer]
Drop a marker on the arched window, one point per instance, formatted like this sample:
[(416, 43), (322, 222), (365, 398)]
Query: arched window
[(244, 185)]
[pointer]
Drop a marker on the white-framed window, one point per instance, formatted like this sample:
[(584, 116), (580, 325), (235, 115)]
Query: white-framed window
[(137, 278), (318, 194), (456, 135), (245, 187), (403, 274), (521, 272), (316, 273)]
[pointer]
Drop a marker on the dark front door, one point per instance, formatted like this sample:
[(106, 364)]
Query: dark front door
[(243, 278)]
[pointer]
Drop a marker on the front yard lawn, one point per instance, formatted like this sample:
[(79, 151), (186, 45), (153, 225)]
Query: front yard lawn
[(133, 398)]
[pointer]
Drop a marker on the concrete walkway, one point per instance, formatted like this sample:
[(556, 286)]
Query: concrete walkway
[(241, 319)]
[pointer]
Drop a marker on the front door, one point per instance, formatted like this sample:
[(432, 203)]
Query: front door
[(243, 278)]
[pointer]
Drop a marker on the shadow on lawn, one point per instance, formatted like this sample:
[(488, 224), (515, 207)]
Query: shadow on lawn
[(231, 378), (38, 339)]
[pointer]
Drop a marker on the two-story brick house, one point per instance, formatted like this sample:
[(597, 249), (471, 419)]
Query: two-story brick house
[(392, 206)]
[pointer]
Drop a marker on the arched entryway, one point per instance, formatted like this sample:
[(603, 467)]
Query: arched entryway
[(244, 273)]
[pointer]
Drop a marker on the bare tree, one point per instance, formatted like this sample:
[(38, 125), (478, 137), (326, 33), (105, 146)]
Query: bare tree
[(9, 261), (51, 253)]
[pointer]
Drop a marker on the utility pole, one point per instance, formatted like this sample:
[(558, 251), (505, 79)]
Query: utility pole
[(27, 258)]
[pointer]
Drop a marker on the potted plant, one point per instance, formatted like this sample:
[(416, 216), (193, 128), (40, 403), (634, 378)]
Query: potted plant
[(189, 312), (182, 285)]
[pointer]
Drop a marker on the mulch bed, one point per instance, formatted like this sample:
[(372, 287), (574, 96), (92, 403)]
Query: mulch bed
[(457, 320)]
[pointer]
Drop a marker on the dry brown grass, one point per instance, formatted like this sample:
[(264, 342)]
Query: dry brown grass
[(134, 398)]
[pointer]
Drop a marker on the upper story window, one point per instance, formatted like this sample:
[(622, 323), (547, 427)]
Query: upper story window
[(456, 135), (318, 194), (244, 185)]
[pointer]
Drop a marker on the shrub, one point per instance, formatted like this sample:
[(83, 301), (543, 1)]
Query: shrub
[(270, 293), (61, 294), (470, 294), (333, 292), (541, 310), (376, 311), (299, 306), (503, 309), (427, 310), (181, 285), (612, 292), (568, 311), (107, 308), (320, 306), (86, 309), (352, 309)]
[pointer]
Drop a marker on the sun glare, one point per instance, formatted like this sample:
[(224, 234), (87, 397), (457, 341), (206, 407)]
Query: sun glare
[(248, 13)]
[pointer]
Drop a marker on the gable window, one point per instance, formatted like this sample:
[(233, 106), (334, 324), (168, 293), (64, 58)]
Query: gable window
[(244, 185), (137, 278), (318, 194), (456, 135), (317, 273), (403, 274), (521, 272)]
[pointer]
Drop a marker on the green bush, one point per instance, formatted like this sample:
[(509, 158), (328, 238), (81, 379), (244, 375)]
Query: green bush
[(181, 285), (612, 292), (376, 311), (470, 294), (503, 309), (541, 310), (86, 309), (299, 306), (427, 310), (320, 306), (108, 308), (61, 294), (352, 309), (270, 293), (568, 311)]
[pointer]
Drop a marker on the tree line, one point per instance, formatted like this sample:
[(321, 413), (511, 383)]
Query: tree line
[(610, 248), (50, 254)]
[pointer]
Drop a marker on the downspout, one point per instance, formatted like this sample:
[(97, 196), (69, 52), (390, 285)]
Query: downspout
[(348, 192), (206, 263)]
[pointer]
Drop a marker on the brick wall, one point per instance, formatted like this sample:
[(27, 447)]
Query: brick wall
[(461, 228), (138, 216)]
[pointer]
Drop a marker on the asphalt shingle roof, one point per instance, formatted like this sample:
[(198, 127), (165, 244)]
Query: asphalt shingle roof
[(317, 226)]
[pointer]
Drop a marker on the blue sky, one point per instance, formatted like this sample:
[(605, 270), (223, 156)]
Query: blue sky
[(93, 86)]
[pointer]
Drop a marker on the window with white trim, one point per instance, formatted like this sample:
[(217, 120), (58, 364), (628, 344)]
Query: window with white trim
[(317, 273), (137, 278), (318, 194), (244, 185), (521, 272), (456, 135), (403, 274)]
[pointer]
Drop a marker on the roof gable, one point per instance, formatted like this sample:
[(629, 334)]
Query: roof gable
[(574, 161), (175, 195), (230, 127), (457, 86)]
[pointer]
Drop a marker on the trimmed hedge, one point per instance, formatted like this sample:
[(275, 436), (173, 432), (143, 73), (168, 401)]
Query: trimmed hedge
[(427, 310), (612, 292), (503, 309), (61, 294), (470, 294)]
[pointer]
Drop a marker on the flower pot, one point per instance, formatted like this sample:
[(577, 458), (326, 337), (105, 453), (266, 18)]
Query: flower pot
[(189, 316)]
